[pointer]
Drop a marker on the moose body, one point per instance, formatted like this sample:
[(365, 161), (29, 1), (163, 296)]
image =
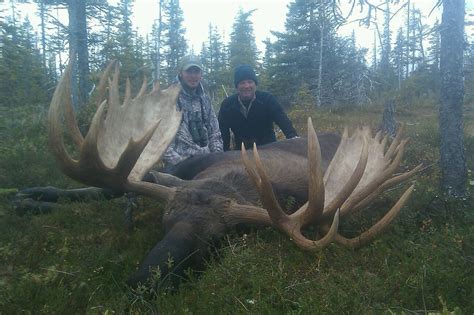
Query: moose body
[(329, 176), (199, 213)]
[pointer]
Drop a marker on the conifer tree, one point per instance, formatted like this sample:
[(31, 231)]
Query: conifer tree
[(434, 49), (242, 46), (156, 50), (310, 52), (104, 42), (214, 58), (126, 40), (398, 56), (175, 45), (23, 78)]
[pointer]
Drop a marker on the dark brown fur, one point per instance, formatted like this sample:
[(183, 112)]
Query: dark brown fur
[(197, 214)]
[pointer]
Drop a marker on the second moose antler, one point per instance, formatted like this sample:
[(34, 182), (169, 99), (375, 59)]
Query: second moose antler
[(360, 170)]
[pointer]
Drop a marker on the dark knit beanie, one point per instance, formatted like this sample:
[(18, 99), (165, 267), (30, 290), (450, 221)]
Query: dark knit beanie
[(244, 72)]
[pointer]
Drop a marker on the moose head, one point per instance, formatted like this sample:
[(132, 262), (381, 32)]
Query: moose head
[(329, 176)]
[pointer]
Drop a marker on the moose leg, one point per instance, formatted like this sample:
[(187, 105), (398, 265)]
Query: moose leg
[(166, 263), (43, 199), (53, 194)]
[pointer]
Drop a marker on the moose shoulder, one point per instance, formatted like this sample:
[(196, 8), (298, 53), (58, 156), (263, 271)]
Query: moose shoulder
[(329, 176)]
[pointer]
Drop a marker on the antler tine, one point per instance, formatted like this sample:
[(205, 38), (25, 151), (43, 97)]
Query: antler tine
[(384, 141), (56, 143), (70, 117), (379, 227), (266, 193), (142, 88), (395, 142), (386, 185), (315, 205), (378, 136), (101, 89), (114, 96), (90, 153), (250, 170), (400, 150)]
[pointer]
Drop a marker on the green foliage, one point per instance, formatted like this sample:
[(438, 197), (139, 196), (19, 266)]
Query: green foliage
[(217, 73), (77, 258), (174, 41), (23, 79), (306, 100), (242, 46), (310, 52), (24, 142), (421, 88)]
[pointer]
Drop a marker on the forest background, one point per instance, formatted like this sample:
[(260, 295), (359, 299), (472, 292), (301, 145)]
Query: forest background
[(309, 66)]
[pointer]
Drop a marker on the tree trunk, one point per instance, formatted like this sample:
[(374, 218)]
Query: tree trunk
[(453, 161), (43, 32), (157, 72), (389, 124), (82, 53), (320, 67), (408, 41), (78, 50)]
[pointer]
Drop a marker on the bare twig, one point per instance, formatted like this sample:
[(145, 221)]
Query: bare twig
[(60, 271)]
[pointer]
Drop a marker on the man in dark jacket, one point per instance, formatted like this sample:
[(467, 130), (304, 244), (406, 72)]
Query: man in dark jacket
[(250, 114)]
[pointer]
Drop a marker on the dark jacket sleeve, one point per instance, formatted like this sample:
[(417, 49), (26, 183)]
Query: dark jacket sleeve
[(281, 119), (224, 127)]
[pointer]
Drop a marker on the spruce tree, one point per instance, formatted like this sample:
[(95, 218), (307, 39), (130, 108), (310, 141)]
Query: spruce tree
[(175, 46), (214, 59), (242, 46), (21, 64)]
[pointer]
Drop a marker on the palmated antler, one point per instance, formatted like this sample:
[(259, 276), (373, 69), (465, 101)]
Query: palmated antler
[(124, 140), (359, 171)]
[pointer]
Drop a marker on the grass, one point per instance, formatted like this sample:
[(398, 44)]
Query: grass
[(76, 259)]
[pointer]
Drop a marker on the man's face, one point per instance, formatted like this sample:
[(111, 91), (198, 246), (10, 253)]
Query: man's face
[(246, 89), (191, 77)]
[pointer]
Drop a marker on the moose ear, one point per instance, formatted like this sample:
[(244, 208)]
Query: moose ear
[(163, 179)]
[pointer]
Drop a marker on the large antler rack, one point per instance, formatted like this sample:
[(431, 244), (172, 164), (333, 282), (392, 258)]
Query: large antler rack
[(360, 170), (124, 141)]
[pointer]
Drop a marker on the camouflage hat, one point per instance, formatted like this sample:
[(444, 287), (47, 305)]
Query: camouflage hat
[(190, 61)]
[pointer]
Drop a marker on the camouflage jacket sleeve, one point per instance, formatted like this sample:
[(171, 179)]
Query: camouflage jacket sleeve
[(182, 146)]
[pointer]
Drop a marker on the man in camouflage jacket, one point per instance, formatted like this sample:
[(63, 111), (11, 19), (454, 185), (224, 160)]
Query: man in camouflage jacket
[(199, 130)]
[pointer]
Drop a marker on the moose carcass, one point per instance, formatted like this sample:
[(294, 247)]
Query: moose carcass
[(330, 177)]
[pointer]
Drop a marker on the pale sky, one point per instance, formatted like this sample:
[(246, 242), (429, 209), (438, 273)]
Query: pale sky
[(198, 14), (269, 15)]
